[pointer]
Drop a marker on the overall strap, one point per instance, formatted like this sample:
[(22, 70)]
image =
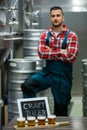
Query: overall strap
[(65, 40), (48, 37)]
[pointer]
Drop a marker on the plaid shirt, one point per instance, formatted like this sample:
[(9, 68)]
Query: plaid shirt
[(55, 43)]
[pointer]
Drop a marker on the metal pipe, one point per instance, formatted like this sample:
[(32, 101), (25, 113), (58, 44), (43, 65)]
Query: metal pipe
[(21, 15), (12, 39)]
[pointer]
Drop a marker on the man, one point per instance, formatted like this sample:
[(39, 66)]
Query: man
[(59, 47)]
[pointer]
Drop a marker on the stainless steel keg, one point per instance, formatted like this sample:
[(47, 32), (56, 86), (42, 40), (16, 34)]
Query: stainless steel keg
[(30, 41), (18, 71), (84, 86)]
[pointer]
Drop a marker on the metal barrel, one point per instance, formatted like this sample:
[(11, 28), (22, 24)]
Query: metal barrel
[(84, 100), (18, 71), (84, 86), (39, 62), (85, 67), (30, 43)]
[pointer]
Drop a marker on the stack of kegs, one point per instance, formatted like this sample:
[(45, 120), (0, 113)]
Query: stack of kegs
[(18, 71), (30, 44), (84, 84)]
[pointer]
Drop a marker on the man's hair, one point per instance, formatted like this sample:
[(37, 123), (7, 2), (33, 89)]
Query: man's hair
[(56, 8)]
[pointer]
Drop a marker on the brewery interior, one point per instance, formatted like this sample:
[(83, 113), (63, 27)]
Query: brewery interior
[(21, 24)]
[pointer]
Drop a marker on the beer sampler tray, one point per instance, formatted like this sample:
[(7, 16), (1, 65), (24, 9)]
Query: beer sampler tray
[(64, 123)]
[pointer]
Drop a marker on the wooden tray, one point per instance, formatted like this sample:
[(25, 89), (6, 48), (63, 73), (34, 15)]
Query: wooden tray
[(65, 123)]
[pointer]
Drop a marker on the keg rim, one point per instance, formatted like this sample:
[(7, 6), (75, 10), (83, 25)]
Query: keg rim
[(20, 59), (34, 30)]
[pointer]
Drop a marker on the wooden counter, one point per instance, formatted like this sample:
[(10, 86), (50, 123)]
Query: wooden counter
[(75, 123)]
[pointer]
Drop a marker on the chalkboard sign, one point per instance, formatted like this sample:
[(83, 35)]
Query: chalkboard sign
[(33, 107)]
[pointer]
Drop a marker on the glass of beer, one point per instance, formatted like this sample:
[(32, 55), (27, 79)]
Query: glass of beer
[(31, 120), (51, 119), (21, 122), (41, 120)]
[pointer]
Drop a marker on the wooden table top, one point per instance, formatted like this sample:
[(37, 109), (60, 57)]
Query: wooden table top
[(75, 123)]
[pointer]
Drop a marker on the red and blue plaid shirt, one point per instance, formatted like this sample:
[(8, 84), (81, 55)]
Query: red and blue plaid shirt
[(55, 43)]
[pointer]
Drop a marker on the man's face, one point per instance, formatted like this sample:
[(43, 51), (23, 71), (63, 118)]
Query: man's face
[(56, 17)]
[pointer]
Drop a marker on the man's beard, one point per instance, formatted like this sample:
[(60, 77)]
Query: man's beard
[(57, 25)]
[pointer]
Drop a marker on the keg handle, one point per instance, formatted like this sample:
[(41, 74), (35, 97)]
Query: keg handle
[(13, 64), (1, 103)]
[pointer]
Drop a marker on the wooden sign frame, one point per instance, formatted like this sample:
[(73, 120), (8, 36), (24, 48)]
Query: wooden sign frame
[(26, 105)]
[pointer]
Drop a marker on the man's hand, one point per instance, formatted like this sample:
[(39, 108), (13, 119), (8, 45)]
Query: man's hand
[(47, 47), (63, 51)]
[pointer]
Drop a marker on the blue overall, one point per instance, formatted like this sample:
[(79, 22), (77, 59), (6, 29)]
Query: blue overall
[(58, 76)]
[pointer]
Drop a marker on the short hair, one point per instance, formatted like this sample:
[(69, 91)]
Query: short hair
[(56, 8)]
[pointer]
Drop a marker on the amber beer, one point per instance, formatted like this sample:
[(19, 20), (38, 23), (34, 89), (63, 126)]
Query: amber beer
[(31, 121), (51, 119), (21, 122), (41, 120)]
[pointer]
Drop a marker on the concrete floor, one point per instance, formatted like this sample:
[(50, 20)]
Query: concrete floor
[(76, 108)]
